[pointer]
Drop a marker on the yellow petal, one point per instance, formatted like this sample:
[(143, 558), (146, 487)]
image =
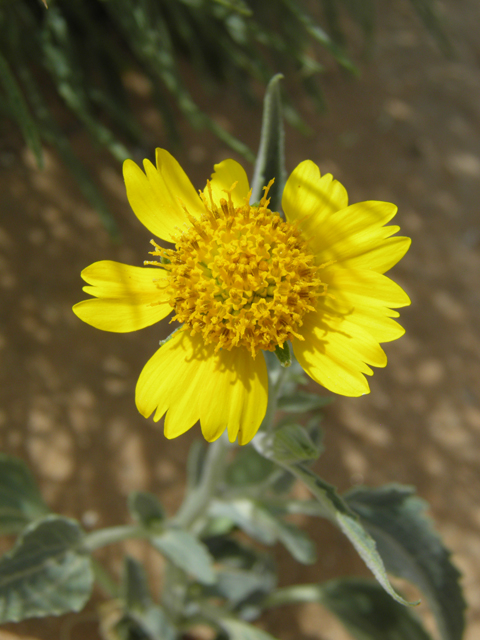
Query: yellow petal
[(350, 289), (126, 298), (158, 195), (169, 380), (236, 395), (365, 298), (380, 326), (358, 228), (226, 174), (376, 257), (189, 382), (335, 353), (309, 198)]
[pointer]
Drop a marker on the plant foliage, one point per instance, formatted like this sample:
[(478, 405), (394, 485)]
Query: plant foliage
[(79, 51)]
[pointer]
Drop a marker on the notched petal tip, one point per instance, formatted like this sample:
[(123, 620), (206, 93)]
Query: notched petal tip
[(155, 194), (309, 198), (227, 174)]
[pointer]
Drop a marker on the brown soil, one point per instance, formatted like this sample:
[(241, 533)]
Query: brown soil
[(408, 132)]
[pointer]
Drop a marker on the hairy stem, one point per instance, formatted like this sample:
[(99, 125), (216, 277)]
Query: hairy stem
[(110, 535), (197, 501)]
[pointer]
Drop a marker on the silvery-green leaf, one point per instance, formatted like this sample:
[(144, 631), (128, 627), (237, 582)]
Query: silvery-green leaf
[(244, 577), (145, 508), (270, 163), (411, 549), (249, 467), (154, 623), (283, 483), (187, 553), (255, 519), (369, 613), (237, 585), (142, 618), (149, 624), (336, 510), (365, 609), (46, 572), (248, 516), (20, 499), (239, 630), (296, 541), (230, 552), (288, 444), (135, 585), (347, 521), (302, 402), (284, 506)]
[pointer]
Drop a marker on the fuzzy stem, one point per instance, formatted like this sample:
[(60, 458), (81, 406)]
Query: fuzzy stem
[(197, 501), (110, 535)]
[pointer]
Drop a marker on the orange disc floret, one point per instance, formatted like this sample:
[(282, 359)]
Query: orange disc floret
[(241, 276)]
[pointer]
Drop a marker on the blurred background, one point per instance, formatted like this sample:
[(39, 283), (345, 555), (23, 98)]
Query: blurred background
[(383, 95)]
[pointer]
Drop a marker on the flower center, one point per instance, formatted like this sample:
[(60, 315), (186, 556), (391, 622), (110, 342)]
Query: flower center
[(241, 276)]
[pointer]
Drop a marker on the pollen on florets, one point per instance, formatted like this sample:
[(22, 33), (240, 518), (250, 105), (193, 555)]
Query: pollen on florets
[(241, 276)]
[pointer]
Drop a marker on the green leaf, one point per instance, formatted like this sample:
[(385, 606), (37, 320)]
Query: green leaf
[(411, 549), (248, 516), (145, 508), (46, 572), (135, 585), (302, 402), (187, 553), (361, 605), (150, 624), (296, 542), (238, 585), (20, 499), (249, 468), (288, 506), (351, 527), (270, 163), (337, 511), (143, 618), (239, 630), (264, 525), (289, 444), (283, 354), (239, 6), (154, 624), (20, 111), (246, 575), (369, 613)]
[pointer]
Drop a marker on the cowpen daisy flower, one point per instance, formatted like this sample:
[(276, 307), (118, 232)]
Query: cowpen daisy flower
[(242, 281)]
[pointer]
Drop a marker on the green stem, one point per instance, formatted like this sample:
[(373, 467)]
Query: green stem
[(267, 423), (110, 535), (197, 501)]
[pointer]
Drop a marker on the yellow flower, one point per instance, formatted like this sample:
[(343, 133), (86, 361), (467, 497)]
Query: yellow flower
[(242, 281)]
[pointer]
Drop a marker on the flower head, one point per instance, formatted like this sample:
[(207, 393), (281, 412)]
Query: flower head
[(242, 281)]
